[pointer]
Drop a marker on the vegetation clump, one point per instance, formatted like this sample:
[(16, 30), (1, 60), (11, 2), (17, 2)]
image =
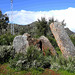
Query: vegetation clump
[(4, 20), (60, 63), (72, 37), (33, 59), (6, 52), (6, 39)]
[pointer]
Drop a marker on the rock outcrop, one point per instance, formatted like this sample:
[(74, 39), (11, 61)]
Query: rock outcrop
[(47, 45), (66, 46), (20, 43), (44, 44)]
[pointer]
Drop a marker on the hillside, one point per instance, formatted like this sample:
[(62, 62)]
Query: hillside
[(20, 29), (69, 31), (34, 61)]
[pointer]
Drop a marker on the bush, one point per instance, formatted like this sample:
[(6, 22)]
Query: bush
[(72, 37), (33, 59), (53, 41), (60, 63), (5, 53), (6, 39), (42, 27)]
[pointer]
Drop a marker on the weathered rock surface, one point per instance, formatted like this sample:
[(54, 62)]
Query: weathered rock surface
[(47, 45), (66, 46), (44, 44), (20, 43)]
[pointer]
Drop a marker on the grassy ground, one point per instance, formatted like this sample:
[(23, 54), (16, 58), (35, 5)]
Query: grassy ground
[(6, 70), (62, 72)]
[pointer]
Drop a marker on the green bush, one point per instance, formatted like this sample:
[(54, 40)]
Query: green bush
[(33, 59), (53, 41), (42, 27), (6, 39), (60, 63), (72, 37), (54, 44), (5, 53)]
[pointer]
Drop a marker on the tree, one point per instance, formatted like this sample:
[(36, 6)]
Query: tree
[(51, 20), (42, 27), (3, 22)]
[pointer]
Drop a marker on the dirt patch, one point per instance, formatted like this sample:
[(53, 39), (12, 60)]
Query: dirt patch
[(3, 69)]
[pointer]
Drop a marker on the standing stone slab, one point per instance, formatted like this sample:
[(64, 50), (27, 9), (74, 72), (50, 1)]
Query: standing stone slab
[(66, 46), (47, 45), (44, 44), (20, 43)]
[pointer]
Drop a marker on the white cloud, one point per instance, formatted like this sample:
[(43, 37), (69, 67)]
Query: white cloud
[(25, 17)]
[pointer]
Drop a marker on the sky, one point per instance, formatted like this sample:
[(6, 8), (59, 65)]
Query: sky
[(28, 11)]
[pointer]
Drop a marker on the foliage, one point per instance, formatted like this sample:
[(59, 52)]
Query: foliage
[(6, 52), (22, 32), (64, 72), (53, 41), (72, 37), (58, 50), (60, 63), (33, 59), (35, 62), (3, 21), (51, 20), (47, 52), (42, 27), (6, 39), (6, 70)]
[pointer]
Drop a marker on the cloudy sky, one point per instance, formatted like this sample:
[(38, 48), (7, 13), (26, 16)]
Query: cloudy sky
[(28, 11)]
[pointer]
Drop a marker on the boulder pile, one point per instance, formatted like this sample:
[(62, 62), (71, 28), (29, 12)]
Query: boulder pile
[(22, 42)]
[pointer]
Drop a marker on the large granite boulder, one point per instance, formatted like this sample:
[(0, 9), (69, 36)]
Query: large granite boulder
[(20, 43), (64, 42)]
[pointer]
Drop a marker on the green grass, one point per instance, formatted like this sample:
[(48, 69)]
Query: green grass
[(63, 72), (7, 70)]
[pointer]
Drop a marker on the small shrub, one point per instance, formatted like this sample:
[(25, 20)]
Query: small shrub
[(6, 39), (5, 53), (72, 37), (54, 44), (63, 64), (58, 50), (53, 41)]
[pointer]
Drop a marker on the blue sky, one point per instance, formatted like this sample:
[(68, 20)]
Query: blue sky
[(36, 5), (28, 11)]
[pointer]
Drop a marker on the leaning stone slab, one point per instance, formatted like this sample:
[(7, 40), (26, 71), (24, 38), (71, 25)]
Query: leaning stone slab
[(47, 45), (44, 44), (66, 46)]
